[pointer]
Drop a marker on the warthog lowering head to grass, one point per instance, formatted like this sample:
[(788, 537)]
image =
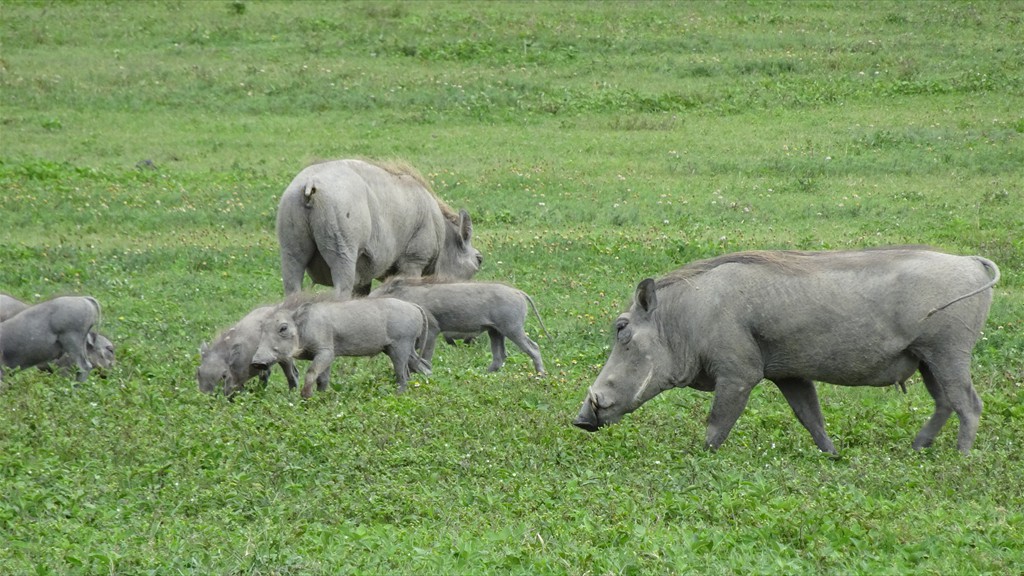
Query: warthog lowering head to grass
[(44, 332), (348, 222), (322, 328), (98, 348), (853, 318), (470, 308), (227, 361)]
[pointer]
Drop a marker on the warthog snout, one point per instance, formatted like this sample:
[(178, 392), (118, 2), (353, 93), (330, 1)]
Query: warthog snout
[(587, 419)]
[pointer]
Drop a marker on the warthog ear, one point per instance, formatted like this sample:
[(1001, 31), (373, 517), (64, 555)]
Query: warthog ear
[(301, 313), (465, 226), (646, 297), (234, 353)]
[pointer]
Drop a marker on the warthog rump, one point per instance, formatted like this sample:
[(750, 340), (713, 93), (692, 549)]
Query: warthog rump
[(348, 222), (852, 318), (44, 332), (98, 348)]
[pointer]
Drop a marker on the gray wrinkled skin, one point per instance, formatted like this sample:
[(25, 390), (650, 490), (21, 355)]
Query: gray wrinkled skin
[(9, 306), (468, 308), (227, 361), (43, 332), (348, 222), (99, 349), (319, 329), (852, 318)]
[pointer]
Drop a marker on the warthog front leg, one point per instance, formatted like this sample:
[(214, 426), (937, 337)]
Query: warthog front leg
[(320, 365), (75, 348), (731, 395), (291, 373)]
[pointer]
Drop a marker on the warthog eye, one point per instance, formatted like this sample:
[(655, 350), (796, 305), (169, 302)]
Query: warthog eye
[(282, 329), (622, 331)]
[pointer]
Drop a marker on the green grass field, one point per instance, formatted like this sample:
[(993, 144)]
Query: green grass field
[(144, 147)]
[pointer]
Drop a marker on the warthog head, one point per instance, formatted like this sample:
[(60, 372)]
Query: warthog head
[(213, 370), (458, 259), (100, 350), (637, 369), (279, 340)]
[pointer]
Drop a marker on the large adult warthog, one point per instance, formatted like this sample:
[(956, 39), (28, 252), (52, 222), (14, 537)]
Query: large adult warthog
[(853, 318), (348, 222)]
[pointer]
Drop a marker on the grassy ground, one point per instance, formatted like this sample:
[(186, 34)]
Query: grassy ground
[(145, 145)]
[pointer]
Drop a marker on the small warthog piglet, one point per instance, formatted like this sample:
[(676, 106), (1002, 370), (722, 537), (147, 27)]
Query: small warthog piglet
[(98, 348), (227, 361), (468, 308), (44, 332), (320, 328)]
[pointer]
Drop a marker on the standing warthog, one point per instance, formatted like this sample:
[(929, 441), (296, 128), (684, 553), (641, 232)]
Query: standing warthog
[(468, 308), (43, 332), (319, 329), (348, 222), (228, 359), (98, 347), (853, 318)]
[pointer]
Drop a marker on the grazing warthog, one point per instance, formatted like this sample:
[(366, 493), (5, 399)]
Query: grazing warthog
[(348, 222), (98, 347), (468, 308), (43, 332), (319, 329), (853, 318), (227, 361)]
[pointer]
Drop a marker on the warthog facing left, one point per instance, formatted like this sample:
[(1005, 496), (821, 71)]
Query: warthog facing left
[(853, 318), (43, 332), (322, 328)]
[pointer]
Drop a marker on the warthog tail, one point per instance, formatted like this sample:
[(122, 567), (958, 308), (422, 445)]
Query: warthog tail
[(99, 311), (421, 340), (537, 314), (989, 265)]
